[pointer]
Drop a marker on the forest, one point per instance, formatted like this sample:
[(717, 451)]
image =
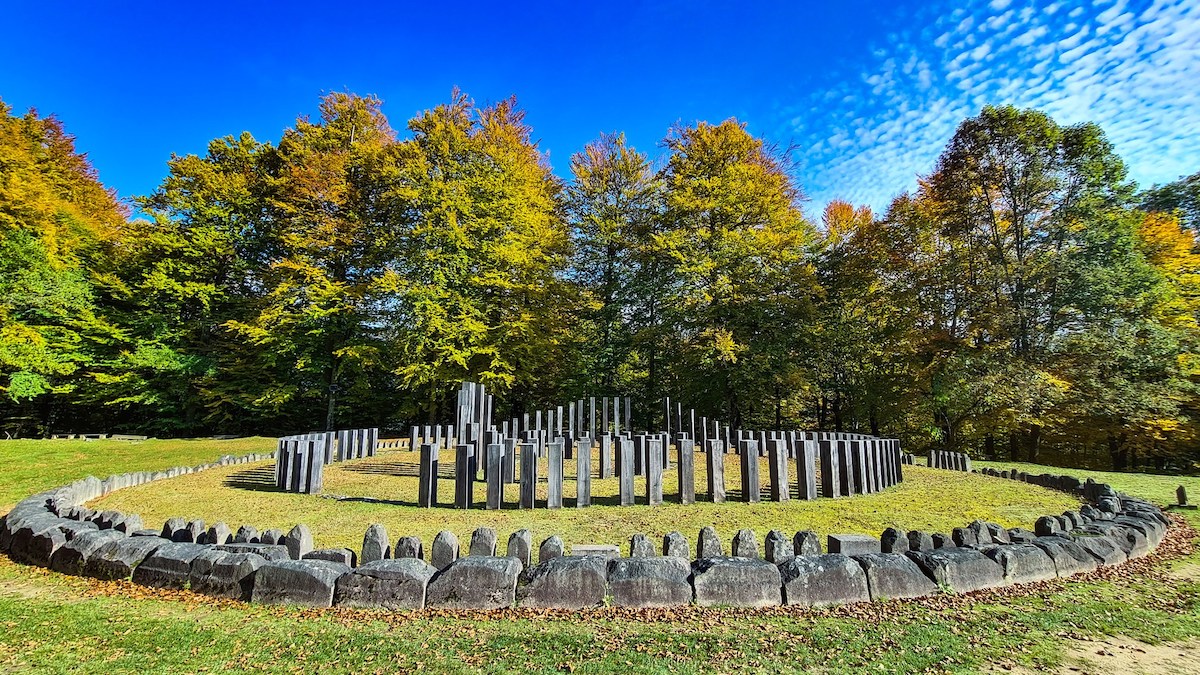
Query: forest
[(1026, 301)]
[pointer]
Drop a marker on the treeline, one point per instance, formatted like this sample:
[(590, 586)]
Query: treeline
[(1025, 302)]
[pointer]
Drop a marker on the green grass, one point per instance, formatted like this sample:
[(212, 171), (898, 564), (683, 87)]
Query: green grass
[(1156, 488), (29, 466), (51, 623), (927, 500)]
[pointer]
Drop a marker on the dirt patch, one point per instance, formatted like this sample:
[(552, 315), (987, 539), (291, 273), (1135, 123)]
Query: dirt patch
[(1123, 655)]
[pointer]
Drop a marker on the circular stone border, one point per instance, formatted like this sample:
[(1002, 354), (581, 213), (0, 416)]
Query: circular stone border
[(54, 529)]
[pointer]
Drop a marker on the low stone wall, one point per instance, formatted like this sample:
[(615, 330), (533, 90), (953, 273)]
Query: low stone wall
[(54, 529)]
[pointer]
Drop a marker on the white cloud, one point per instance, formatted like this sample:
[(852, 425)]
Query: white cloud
[(1130, 67)]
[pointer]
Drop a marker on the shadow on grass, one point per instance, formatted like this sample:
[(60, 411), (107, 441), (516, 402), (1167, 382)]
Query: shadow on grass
[(259, 479)]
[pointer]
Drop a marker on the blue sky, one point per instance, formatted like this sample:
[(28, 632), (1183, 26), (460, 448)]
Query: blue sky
[(867, 93)]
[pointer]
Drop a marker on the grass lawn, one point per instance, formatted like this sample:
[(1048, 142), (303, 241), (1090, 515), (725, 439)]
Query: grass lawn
[(927, 500), (52, 623)]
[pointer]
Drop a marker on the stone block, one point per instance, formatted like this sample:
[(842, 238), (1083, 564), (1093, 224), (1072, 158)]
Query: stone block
[(520, 546), (779, 548), (572, 582), (598, 550), (640, 546), (941, 540), (444, 550), (117, 558), (310, 583), (852, 544), (271, 536), (892, 576), (962, 570), (246, 534), (650, 582), (1022, 563), (820, 580), (72, 557), (483, 542), (920, 541), (375, 544), (676, 545), (1103, 548), (409, 547), (221, 574), (299, 541), (475, 582), (550, 548), (395, 584), (965, 536), (708, 544), (893, 541), (736, 582), (192, 533), (169, 566), (219, 534), (338, 555), (269, 552), (1069, 557), (806, 542), (1019, 535), (745, 544)]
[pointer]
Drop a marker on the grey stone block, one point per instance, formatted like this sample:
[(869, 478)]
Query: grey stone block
[(394, 584), (520, 546), (650, 582), (941, 540), (571, 582), (893, 541), (190, 533), (676, 545), (920, 541), (806, 542), (169, 566), (778, 547), (22, 546), (550, 548), (475, 582), (231, 576), (299, 541), (820, 580), (269, 552), (965, 537), (1103, 548), (736, 582), (852, 544), (246, 534), (409, 547), (483, 542), (1019, 535), (297, 582), (981, 533), (745, 544), (219, 534), (1069, 557), (962, 570), (1131, 541), (891, 576), (708, 544), (640, 547), (338, 555), (271, 536), (605, 551), (117, 558), (375, 544), (72, 557), (127, 523), (1022, 563), (444, 550)]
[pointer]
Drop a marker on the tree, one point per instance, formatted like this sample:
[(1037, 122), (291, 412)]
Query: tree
[(614, 205), (478, 287), (55, 219), (736, 241), (1180, 197)]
